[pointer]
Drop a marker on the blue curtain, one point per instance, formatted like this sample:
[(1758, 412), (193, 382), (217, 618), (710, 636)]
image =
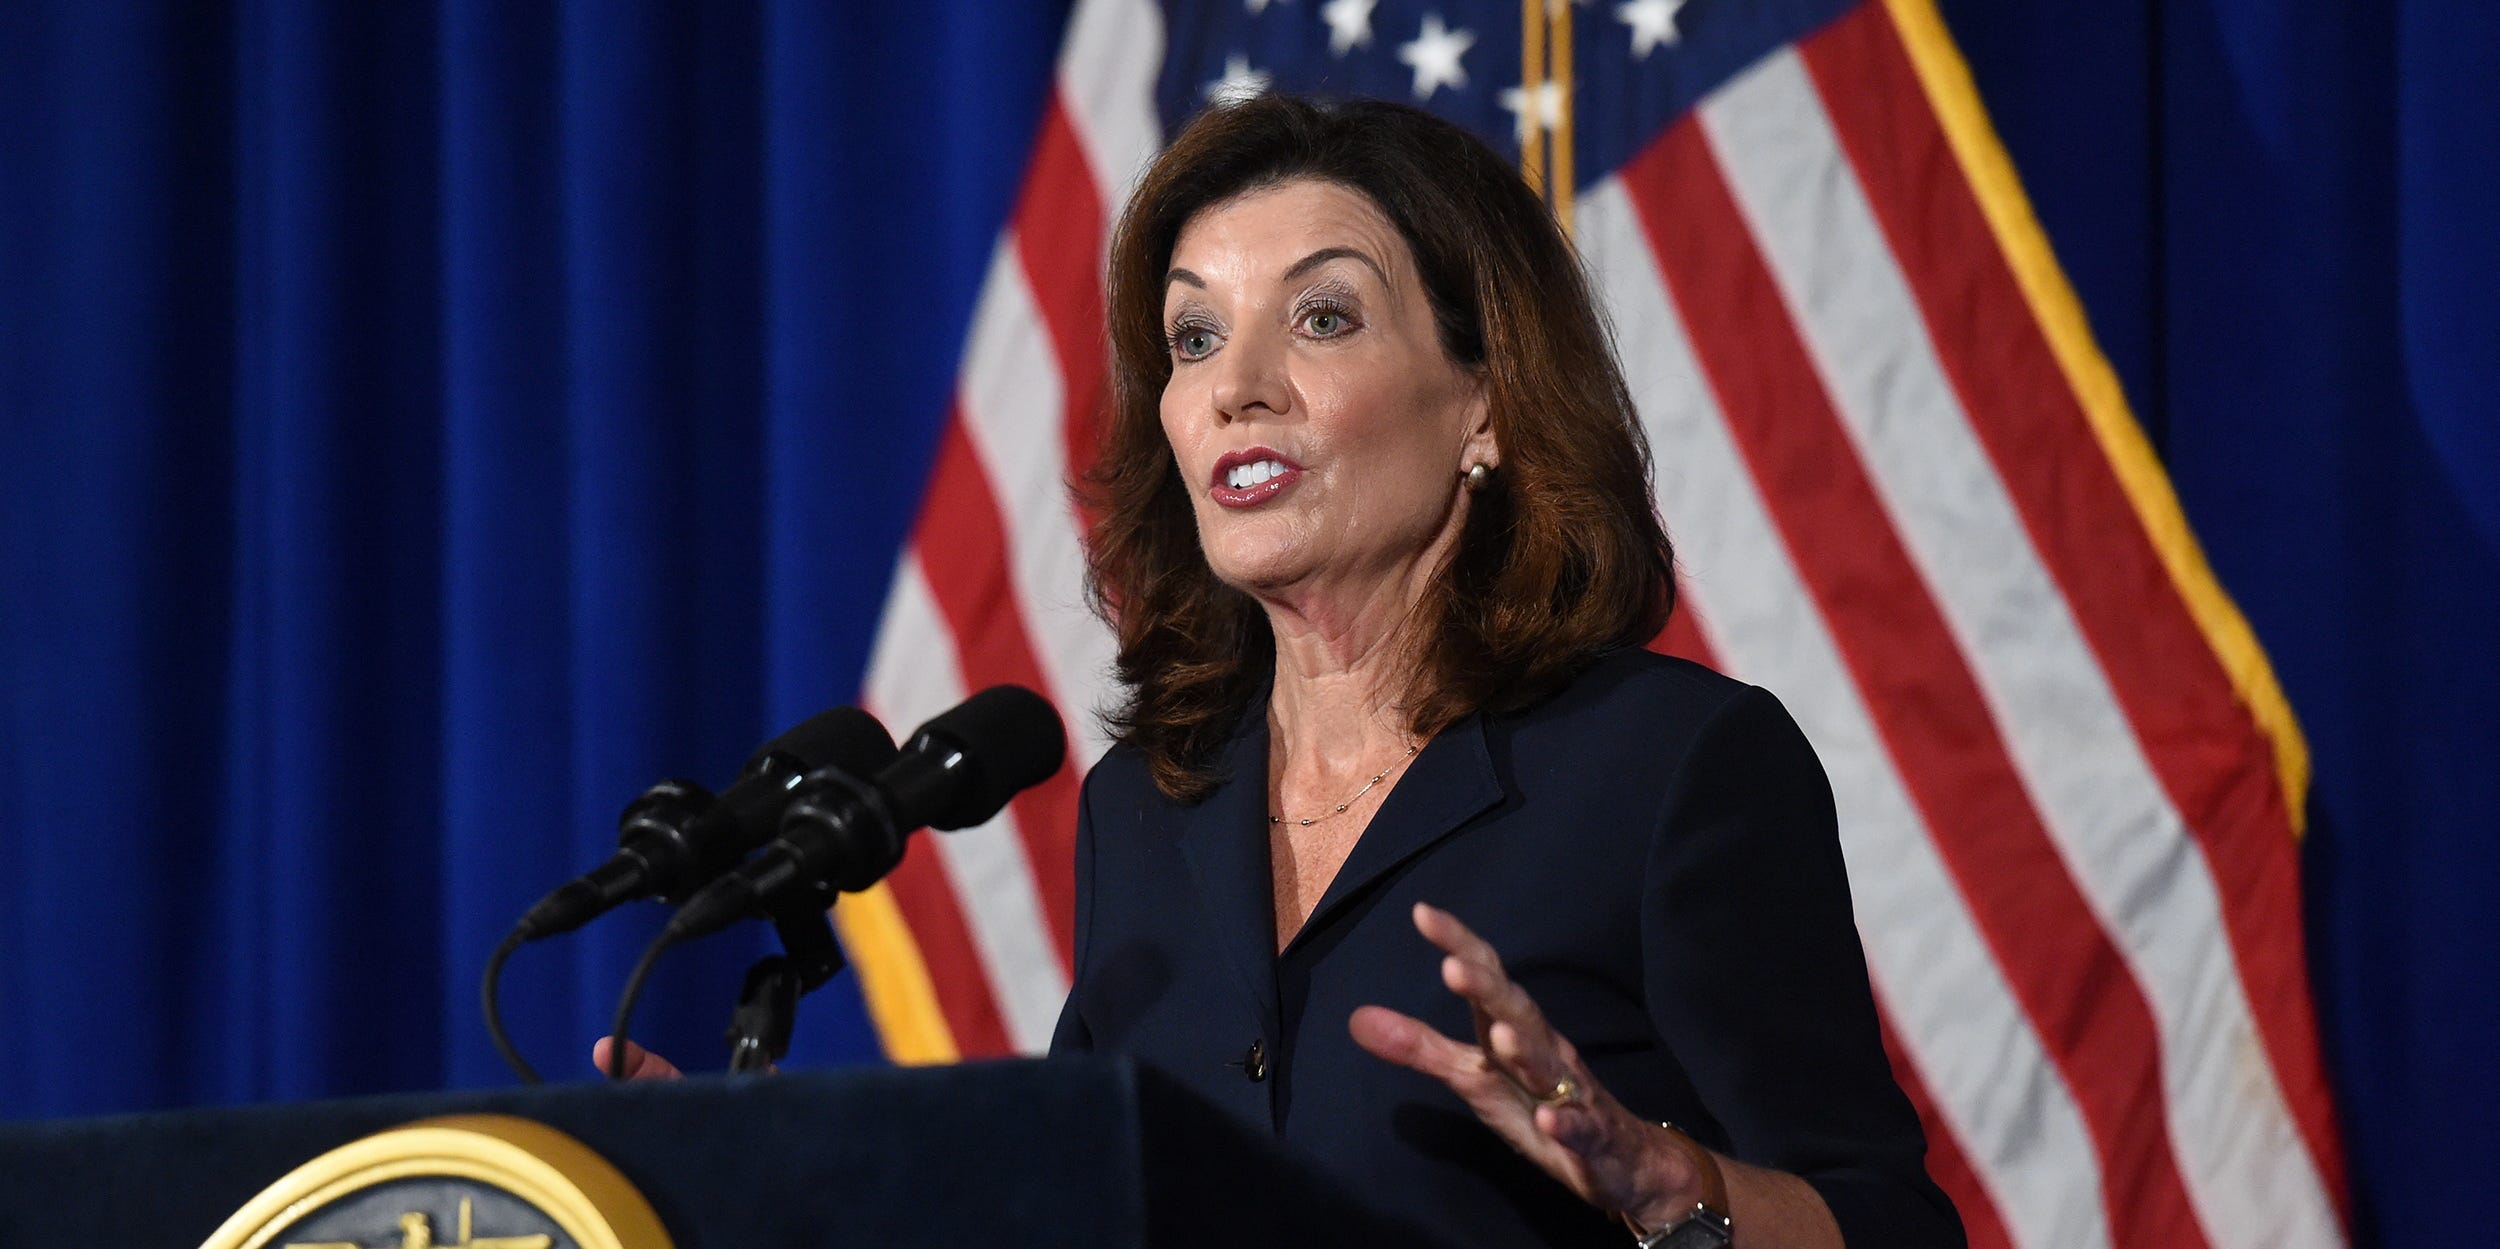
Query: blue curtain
[(2281, 216), (428, 424)]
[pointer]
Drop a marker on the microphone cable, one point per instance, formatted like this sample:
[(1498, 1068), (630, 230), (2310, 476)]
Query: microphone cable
[(633, 992), (492, 1001)]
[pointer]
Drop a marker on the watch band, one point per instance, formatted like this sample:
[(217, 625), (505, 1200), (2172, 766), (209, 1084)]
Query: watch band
[(1700, 1228), (1706, 1225)]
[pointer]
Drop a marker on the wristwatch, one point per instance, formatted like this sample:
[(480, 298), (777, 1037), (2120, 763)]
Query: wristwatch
[(1706, 1225)]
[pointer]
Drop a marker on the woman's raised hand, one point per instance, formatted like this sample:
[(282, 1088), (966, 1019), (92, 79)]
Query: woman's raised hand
[(1526, 1082), (640, 1063)]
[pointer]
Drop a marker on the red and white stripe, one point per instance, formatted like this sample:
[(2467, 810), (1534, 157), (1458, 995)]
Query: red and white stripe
[(2073, 866), (2081, 770), (1985, 1068), (991, 588)]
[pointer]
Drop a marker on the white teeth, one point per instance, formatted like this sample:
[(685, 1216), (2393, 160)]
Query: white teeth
[(1244, 476)]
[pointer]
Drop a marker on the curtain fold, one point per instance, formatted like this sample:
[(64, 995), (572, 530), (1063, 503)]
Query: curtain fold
[(431, 425)]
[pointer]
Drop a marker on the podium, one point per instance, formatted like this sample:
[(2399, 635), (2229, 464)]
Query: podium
[(1100, 1153)]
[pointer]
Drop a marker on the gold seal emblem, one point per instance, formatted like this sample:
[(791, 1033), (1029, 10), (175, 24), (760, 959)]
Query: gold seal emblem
[(459, 1182)]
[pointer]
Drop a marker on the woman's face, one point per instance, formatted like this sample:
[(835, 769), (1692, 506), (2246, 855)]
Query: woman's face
[(1320, 427)]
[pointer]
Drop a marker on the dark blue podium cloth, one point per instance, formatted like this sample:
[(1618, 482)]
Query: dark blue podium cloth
[(1093, 1153)]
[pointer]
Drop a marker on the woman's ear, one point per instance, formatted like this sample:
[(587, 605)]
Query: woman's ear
[(1481, 446)]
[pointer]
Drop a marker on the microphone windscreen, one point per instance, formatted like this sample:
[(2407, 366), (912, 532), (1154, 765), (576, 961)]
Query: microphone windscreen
[(840, 737), (1011, 738)]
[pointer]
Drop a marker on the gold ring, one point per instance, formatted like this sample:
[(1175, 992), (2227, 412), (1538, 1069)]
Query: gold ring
[(1566, 1091)]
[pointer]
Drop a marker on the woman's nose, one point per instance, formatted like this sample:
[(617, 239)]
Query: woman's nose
[(1250, 379)]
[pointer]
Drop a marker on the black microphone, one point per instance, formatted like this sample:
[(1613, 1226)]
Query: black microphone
[(840, 833), (677, 837)]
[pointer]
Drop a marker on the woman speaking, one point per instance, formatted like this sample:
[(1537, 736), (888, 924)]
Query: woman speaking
[(1409, 853)]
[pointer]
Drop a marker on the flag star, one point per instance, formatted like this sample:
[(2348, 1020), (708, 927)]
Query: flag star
[(1349, 24), (1652, 23), (1240, 82), (1545, 113), (1257, 7), (1434, 54)]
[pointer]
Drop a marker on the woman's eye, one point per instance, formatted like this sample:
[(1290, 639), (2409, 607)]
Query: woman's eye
[(1326, 322), (1192, 343)]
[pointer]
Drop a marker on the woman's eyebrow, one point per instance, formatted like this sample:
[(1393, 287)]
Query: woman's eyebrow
[(1326, 254), (1300, 267)]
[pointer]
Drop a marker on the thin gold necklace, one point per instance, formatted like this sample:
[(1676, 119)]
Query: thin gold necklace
[(1377, 777)]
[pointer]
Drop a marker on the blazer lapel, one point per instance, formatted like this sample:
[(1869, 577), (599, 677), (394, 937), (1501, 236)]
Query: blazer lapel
[(1450, 783), (1225, 840)]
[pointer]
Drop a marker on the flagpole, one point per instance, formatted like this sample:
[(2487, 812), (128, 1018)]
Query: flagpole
[(1563, 182), (1532, 86)]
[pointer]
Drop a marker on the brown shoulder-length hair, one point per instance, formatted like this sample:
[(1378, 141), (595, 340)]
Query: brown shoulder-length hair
[(1562, 557)]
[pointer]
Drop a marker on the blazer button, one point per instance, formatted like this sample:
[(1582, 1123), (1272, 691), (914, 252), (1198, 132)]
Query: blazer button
[(1254, 1063)]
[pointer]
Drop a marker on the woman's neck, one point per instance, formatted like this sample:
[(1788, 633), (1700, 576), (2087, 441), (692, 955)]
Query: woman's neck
[(1346, 649), (1341, 681)]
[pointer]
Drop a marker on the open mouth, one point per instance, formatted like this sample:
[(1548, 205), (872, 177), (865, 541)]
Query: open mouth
[(1252, 476)]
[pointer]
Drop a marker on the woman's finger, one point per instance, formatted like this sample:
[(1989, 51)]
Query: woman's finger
[(1579, 1126), (1412, 1043), (1473, 962), (1495, 994), (1455, 938), (1543, 1072), (1509, 1024), (640, 1063)]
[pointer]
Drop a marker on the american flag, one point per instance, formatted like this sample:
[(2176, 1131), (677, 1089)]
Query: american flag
[(1907, 496)]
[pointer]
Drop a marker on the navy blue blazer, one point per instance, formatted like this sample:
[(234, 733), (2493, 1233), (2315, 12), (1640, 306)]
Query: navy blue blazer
[(1653, 852)]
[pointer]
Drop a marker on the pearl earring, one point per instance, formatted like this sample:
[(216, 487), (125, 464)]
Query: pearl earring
[(1478, 474)]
